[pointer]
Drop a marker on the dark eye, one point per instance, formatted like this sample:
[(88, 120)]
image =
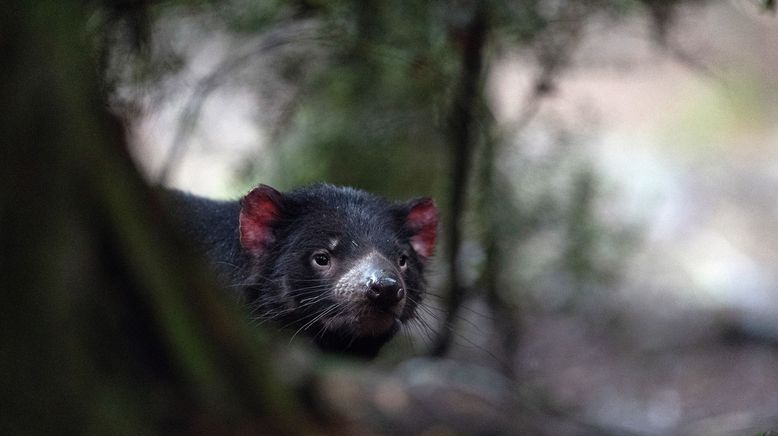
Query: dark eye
[(321, 259), (402, 261)]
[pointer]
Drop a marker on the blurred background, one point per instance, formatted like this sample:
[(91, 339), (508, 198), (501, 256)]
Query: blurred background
[(606, 170)]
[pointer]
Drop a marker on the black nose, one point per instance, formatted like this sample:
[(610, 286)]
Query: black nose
[(384, 291)]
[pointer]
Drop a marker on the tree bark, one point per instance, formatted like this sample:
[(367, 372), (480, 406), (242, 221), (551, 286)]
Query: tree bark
[(463, 138), (109, 325)]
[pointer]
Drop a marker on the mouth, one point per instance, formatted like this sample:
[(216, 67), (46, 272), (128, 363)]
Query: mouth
[(362, 320), (366, 322), (359, 335), (377, 323)]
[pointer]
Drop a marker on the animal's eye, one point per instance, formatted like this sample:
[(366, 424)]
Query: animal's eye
[(321, 259), (402, 261)]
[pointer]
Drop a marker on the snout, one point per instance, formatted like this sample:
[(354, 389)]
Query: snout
[(384, 290), (382, 304), (374, 295)]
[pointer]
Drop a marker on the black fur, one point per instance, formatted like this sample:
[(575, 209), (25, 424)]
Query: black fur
[(281, 283)]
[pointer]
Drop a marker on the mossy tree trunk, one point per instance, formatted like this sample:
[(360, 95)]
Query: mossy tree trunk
[(108, 325)]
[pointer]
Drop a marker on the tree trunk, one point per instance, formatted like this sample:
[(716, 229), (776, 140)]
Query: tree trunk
[(462, 130), (109, 326)]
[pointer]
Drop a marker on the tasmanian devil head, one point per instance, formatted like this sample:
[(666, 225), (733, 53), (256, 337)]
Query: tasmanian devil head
[(339, 264)]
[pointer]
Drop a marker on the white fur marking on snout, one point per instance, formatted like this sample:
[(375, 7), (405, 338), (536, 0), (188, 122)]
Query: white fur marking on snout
[(354, 282)]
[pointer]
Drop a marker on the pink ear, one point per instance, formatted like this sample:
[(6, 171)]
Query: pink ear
[(259, 209), (422, 221)]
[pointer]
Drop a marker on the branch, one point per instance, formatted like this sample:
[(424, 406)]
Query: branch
[(462, 134), (284, 34)]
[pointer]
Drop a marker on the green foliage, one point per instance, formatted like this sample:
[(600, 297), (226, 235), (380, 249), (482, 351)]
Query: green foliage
[(372, 117), (248, 16)]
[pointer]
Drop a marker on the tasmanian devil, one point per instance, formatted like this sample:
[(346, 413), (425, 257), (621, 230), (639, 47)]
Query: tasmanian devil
[(340, 264)]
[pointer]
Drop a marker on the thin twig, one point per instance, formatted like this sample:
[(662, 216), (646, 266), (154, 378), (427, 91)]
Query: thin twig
[(292, 32)]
